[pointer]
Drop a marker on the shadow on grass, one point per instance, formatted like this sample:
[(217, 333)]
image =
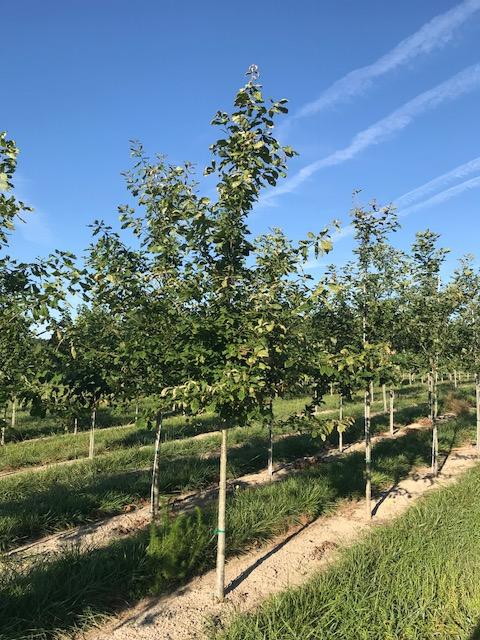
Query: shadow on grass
[(72, 496)]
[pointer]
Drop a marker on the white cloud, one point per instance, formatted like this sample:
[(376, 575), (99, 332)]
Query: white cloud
[(432, 35), (456, 86)]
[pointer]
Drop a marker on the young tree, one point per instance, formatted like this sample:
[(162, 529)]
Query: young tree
[(371, 228), (430, 308), (466, 284)]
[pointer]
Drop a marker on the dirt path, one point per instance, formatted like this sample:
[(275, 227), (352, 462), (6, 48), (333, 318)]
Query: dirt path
[(287, 561), (100, 533)]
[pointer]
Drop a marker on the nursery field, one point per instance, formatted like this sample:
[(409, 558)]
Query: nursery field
[(183, 403), (62, 496), (78, 586)]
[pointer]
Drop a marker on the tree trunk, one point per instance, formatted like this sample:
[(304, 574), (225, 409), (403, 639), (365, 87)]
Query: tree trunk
[(222, 504), (410, 379), (155, 487), (434, 424), (392, 400), (368, 454), (477, 395), (430, 396), (371, 392), (340, 417), (384, 393), (75, 426), (136, 413), (91, 444), (270, 443), (14, 413), (455, 379), (4, 426)]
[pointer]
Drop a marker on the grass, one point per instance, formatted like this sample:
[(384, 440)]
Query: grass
[(28, 426), (36, 504), (433, 593), (74, 589), (60, 448)]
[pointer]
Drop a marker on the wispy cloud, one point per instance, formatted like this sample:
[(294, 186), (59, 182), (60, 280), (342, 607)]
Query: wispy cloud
[(440, 182), (443, 196), (456, 86), (432, 35)]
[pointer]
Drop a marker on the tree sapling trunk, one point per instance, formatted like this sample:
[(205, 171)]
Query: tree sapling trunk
[(14, 413), (222, 504), (340, 418), (435, 424), (384, 394), (477, 397), (392, 400), (4, 426), (155, 487), (270, 443), (91, 445), (368, 454)]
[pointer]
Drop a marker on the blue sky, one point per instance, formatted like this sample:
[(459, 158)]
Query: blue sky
[(83, 77)]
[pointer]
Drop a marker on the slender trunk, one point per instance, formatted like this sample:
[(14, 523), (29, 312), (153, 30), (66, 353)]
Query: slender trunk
[(14, 413), (371, 392), (136, 412), (315, 396), (392, 400), (455, 378), (4, 426), (91, 445), (430, 396), (155, 487), (477, 395), (270, 443), (222, 503), (331, 389), (368, 455), (340, 418), (434, 378), (75, 426), (384, 393), (410, 379)]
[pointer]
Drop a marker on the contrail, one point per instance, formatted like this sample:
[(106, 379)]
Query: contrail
[(443, 196), (410, 197), (432, 35), (444, 180), (456, 86)]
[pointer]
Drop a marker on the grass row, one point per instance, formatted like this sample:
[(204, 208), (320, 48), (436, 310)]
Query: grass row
[(66, 447), (28, 426), (36, 504), (433, 593), (60, 448), (76, 588)]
